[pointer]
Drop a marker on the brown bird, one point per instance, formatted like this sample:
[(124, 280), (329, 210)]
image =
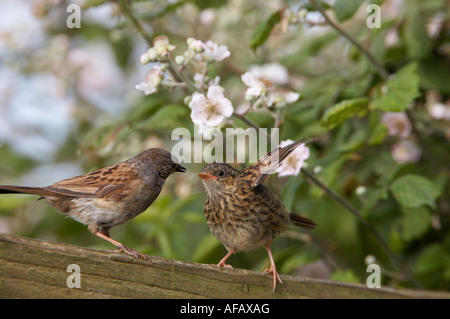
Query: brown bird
[(111, 195), (241, 212)]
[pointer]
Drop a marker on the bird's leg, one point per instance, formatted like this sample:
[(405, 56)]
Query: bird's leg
[(273, 268), (104, 234), (222, 264)]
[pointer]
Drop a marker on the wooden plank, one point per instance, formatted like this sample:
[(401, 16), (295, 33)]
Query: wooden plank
[(31, 268)]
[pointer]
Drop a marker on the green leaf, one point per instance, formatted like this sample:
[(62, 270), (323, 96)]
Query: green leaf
[(414, 223), (414, 191), (289, 191), (263, 30), (344, 276), (417, 42), (205, 247), (431, 75), (202, 4), (339, 113), (372, 198), (91, 3), (399, 91), (168, 116), (345, 9), (378, 134), (431, 259)]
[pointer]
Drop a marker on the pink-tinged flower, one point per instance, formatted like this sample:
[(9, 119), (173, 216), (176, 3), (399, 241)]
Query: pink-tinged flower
[(294, 162), (262, 81), (279, 97), (405, 152), (214, 52), (273, 72), (391, 39), (210, 110), (152, 80), (195, 45), (397, 124), (162, 46)]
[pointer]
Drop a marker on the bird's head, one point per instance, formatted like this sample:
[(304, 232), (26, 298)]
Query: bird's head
[(219, 178), (161, 160)]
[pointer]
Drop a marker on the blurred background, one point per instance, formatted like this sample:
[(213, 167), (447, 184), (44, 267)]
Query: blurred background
[(69, 105)]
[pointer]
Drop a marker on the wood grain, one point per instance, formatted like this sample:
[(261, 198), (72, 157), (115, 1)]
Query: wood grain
[(31, 268)]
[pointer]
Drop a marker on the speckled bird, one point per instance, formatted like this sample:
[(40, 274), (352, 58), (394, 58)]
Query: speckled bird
[(241, 212)]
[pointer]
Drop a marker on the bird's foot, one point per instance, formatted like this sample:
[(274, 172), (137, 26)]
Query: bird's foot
[(273, 270), (224, 265), (131, 252)]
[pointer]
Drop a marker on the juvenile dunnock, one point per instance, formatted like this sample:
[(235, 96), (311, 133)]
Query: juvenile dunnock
[(241, 212), (111, 195)]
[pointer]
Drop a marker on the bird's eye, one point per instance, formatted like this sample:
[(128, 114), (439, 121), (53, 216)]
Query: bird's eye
[(221, 173)]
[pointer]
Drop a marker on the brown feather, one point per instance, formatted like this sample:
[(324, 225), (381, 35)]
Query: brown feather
[(270, 162), (301, 221)]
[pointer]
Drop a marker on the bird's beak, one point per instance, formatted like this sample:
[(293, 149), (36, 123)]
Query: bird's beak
[(206, 176), (180, 168)]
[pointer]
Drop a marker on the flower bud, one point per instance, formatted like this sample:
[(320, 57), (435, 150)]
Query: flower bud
[(145, 59), (179, 60), (152, 54)]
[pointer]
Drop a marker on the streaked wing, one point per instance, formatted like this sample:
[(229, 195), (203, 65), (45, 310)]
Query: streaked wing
[(99, 183), (267, 164)]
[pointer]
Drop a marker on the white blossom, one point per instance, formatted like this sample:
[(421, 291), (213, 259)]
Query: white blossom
[(262, 82), (210, 110), (162, 46), (195, 45), (152, 80), (214, 52), (439, 111), (273, 72), (294, 162)]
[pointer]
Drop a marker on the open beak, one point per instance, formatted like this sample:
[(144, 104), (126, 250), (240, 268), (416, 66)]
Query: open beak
[(180, 168), (206, 176)]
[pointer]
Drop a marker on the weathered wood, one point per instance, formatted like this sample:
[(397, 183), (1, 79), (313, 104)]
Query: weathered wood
[(31, 268)]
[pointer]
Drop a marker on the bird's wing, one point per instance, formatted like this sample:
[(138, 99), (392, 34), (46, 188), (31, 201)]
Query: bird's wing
[(99, 183), (267, 164)]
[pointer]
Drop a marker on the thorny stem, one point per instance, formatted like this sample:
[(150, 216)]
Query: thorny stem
[(381, 70)]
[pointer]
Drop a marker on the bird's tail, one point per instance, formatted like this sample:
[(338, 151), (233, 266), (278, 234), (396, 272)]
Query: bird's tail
[(6, 189), (301, 221)]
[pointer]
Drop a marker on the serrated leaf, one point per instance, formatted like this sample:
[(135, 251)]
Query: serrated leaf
[(263, 30), (399, 91), (414, 191), (342, 111), (345, 9)]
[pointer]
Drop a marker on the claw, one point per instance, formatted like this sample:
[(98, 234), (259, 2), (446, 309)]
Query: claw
[(273, 269), (222, 263), (132, 252)]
